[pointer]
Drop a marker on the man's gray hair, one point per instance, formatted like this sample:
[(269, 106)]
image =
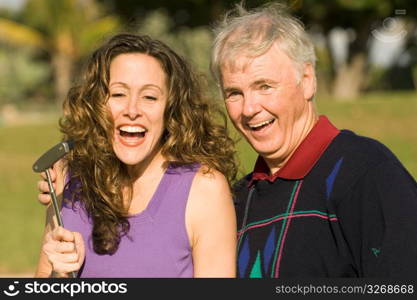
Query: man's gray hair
[(253, 32)]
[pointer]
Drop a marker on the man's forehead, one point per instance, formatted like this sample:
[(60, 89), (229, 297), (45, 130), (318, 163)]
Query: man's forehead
[(238, 64), (272, 60)]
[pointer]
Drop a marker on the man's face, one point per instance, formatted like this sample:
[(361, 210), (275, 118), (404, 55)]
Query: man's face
[(268, 102)]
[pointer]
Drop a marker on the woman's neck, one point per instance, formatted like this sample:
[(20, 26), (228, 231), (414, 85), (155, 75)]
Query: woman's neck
[(155, 164), (145, 178)]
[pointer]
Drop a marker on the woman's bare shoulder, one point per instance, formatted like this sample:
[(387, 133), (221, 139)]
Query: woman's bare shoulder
[(210, 182)]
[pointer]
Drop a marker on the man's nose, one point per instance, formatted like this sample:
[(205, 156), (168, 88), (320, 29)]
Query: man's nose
[(251, 105)]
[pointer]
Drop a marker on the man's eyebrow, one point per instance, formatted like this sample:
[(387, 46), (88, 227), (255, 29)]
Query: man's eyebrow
[(230, 89), (262, 81)]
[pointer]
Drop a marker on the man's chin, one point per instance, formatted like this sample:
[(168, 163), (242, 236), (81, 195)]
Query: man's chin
[(271, 156), (267, 151)]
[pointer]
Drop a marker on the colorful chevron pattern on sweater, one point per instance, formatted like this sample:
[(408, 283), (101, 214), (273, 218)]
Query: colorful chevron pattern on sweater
[(269, 258)]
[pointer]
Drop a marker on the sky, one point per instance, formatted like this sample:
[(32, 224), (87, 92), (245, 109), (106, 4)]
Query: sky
[(12, 4)]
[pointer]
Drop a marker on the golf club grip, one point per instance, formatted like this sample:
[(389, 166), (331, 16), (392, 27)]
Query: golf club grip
[(73, 274)]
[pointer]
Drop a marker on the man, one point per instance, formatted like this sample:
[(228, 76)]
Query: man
[(321, 202)]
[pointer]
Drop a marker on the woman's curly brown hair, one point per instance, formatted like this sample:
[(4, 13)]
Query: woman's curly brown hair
[(192, 135)]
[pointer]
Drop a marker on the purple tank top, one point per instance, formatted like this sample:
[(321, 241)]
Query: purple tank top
[(157, 243)]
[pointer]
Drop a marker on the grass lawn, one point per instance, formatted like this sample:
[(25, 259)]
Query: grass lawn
[(22, 218), (390, 118)]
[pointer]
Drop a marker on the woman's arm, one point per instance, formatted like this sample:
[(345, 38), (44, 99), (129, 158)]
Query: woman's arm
[(62, 252), (211, 226), (44, 268)]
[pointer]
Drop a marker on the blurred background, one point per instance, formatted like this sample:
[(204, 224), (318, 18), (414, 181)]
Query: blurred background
[(367, 72)]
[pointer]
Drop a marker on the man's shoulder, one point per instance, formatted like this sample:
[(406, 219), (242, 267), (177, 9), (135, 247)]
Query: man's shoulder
[(242, 183), (358, 158), (361, 149)]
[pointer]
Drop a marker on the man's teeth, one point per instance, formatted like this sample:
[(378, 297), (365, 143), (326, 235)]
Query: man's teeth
[(132, 129), (255, 126)]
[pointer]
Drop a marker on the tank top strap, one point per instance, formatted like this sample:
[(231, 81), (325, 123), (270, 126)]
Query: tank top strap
[(173, 191)]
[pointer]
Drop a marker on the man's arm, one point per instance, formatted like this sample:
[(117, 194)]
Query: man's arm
[(379, 220), (44, 197)]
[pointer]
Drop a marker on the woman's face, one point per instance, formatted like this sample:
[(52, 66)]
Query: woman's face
[(137, 101)]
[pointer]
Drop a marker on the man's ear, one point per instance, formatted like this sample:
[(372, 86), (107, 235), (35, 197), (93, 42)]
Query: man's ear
[(309, 81)]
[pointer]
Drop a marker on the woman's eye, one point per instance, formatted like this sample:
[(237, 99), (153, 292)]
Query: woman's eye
[(150, 97), (265, 87), (115, 95)]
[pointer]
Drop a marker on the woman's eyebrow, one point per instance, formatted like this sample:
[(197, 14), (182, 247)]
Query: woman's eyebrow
[(120, 83)]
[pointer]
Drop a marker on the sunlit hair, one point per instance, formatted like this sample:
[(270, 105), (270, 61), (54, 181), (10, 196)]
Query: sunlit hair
[(252, 33), (191, 134)]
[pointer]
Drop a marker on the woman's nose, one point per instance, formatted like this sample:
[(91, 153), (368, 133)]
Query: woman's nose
[(133, 109)]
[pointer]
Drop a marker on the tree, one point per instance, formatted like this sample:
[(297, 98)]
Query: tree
[(66, 30), (20, 75), (363, 18), (190, 13), (360, 17)]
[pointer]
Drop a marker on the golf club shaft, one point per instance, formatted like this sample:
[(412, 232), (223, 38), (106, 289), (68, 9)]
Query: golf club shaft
[(56, 209), (54, 200)]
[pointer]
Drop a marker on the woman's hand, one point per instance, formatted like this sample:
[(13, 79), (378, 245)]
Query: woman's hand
[(65, 251)]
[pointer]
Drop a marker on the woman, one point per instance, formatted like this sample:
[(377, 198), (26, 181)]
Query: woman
[(147, 184)]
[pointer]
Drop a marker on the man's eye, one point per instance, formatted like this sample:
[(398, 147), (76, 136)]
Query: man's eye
[(232, 94), (265, 87)]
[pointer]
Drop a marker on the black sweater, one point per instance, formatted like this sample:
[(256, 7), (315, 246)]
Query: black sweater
[(354, 214)]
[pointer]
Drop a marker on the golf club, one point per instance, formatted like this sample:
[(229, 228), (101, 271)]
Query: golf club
[(43, 164)]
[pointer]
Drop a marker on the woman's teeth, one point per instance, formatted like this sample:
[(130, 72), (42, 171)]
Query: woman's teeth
[(132, 131)]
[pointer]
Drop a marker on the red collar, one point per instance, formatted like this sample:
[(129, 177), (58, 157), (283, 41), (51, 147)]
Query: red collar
[(304, 157)]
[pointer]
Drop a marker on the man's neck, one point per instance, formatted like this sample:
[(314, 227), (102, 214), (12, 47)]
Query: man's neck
[(275, 164)]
